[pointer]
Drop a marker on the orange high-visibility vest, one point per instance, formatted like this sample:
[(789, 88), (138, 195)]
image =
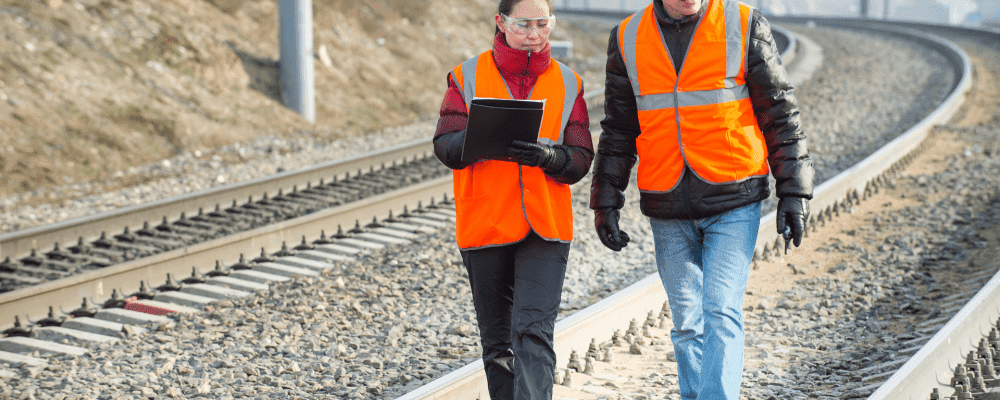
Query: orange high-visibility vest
[(704, 117), (498, 202)]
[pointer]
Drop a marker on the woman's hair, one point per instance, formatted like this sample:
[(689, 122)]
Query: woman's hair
[(506, 6)]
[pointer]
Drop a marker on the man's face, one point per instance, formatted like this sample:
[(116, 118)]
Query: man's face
[(680, 8)]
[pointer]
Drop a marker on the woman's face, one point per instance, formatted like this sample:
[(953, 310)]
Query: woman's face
[(537, 35)]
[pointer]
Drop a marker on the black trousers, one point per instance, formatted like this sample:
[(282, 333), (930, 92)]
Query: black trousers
[(516, 290)]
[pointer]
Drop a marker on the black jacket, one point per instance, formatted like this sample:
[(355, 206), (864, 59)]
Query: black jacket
[(774, 106)]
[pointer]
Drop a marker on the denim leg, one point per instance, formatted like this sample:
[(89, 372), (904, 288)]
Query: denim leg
[(678, 260), (704, 265), (729, 239)]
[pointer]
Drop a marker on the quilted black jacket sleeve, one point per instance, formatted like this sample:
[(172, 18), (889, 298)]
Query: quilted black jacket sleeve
[(777, 114)]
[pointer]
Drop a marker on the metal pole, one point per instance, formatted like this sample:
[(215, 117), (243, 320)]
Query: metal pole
[(864, 9), (885, 11), (295, 40)]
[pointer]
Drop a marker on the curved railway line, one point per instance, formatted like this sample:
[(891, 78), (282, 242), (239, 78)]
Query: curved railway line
[(313, 202)]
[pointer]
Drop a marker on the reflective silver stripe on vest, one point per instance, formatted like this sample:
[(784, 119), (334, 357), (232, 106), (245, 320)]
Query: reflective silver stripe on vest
[(735, 50), (734, 41), (690, 99), (569, 100), (628, 53), (746, 45), (469, 79)]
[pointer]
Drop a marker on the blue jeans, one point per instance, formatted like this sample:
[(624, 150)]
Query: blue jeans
[(704, 265)]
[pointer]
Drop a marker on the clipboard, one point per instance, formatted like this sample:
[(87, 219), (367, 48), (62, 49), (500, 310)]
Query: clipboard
[(495, 123)]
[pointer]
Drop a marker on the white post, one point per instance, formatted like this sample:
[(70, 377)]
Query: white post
[(295, 40)]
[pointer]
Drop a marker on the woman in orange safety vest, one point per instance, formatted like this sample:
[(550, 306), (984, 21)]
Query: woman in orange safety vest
[(515, 220)]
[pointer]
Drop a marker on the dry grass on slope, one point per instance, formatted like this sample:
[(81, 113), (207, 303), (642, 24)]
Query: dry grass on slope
[(90, 87)]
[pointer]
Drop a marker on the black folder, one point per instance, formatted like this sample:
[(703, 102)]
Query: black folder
[(495, 123)]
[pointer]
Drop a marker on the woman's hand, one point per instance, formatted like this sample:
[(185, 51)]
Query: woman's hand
[(532, 154)]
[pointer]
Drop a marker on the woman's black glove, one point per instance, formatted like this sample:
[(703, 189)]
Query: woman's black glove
[(793, 214), (606, 222), (532, 154)]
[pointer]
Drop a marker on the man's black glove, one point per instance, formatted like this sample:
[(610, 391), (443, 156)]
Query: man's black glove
[(793, 213), (606, 222), (532, 154)]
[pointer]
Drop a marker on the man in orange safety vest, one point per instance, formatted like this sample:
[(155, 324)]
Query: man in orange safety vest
[(696, 92)]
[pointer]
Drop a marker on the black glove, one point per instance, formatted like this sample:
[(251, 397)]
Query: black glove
[(532, 154), (606, 222), (793, 213)]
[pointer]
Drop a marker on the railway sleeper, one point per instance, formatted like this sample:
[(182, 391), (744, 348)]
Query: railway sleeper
[(231, 221), (244, 212), (16, 359), (100, 326), (39, 272), (314, 196), (299, 204), (237, 284), (184, 299), (395, 232), (420, 219), (128, 317), (12, 280), (24, 345), (199, 226), (436, 216), (275, 268), (381, 238), (177, 237), (182, 230), (213, 291), (258, 276), (409, 227), (344, 188), (299, 262)]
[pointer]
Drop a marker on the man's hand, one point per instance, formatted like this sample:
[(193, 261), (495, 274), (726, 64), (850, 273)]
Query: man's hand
[(531, 154), (793, 213), (606, 222)]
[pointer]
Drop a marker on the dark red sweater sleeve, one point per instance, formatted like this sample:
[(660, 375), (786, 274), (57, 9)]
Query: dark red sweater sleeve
[(577, 143), (450, 133)]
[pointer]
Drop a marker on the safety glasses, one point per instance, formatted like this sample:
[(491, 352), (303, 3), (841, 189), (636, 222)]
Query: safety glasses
[(524, 26)]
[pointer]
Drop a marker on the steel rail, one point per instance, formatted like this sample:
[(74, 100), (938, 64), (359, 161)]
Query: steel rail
[(34, 301), (598, 320), (20, 243)]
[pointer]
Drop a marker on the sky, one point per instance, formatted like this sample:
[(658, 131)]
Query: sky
[(908, 9)]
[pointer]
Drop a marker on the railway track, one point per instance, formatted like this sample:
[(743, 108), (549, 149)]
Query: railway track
[(91, 268), (937, 355), (574, 332)]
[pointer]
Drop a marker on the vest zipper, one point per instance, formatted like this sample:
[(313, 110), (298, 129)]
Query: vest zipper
[(684, 183), (524, 75)]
